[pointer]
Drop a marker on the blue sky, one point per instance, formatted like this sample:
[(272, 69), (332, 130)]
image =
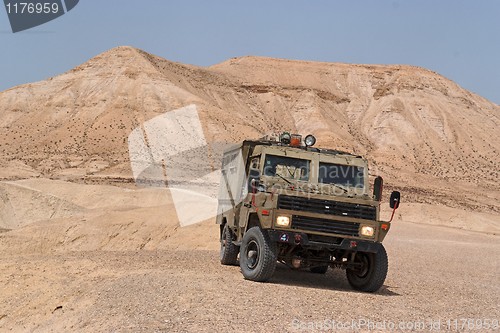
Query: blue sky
[(458, 39)]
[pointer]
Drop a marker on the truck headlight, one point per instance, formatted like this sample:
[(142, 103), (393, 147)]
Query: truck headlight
[(367, 231), (283, 221)]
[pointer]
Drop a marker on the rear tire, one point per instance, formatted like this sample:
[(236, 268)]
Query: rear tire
[(258, 255), (228, 251), (373, 272)]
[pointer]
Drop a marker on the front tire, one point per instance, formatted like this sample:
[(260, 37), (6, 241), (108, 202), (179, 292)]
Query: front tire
[(258, 255), (371, 276), (228, 251)]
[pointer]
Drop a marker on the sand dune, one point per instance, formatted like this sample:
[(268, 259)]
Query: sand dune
[(46, 215)]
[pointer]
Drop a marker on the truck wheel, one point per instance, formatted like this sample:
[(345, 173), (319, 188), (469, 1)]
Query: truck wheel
[(373, 271), (257, 255), (319, 269), (228, 251)]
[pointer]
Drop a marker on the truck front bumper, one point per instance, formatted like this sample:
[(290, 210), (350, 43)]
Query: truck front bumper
[(322, 242)]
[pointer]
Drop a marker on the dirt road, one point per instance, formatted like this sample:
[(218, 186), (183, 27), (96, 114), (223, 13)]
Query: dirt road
[(435, 274)]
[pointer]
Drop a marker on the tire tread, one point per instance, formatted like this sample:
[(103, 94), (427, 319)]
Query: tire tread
[(268, 261), (377, 276), (230, 254)]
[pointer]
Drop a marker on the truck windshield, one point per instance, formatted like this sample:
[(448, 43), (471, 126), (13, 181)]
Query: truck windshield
[(340, 174), (286, 167)]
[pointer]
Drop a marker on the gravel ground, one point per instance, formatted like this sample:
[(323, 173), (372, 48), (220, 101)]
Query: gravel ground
[(436, 274)]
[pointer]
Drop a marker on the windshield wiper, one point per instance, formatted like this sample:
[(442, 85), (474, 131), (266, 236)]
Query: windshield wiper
[(289, 182), (340, 187)]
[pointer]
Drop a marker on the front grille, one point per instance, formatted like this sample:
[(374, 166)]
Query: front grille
[(327, 207), (324, 225)]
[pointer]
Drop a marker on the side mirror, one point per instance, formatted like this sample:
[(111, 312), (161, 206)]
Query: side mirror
[(378, 184), (395, 200), (253, 174), (252, 184), (255, 185)]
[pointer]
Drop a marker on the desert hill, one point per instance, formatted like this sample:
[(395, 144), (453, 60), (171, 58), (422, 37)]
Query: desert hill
[(421, 131)]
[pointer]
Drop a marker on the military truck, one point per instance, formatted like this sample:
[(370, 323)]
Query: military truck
[(283, 200)]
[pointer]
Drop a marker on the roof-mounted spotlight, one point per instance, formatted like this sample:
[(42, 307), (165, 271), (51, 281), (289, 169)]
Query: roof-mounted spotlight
[(285, 138), (310, 140)]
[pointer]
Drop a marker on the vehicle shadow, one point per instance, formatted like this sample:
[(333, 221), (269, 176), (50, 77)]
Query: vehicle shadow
[(334, 279)]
